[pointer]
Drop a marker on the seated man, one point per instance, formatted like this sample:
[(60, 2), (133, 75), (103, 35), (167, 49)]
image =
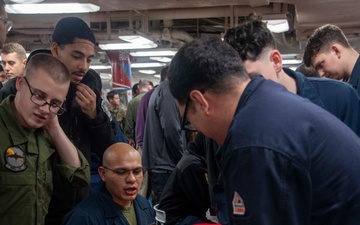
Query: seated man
[(118, 201), (185, 198), (34, 148)]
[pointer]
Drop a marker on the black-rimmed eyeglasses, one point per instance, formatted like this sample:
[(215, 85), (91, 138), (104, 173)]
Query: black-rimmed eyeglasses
[(124, 173), (40, 101), (8, 24)]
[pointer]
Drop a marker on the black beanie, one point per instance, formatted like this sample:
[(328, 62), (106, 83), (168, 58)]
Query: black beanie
[(69, 28)]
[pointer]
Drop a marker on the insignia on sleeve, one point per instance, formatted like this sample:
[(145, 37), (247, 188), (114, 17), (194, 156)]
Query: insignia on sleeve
[(238, 205), (15, 159)]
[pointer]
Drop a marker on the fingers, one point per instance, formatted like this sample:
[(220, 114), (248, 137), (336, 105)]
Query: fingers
[(86, 98)]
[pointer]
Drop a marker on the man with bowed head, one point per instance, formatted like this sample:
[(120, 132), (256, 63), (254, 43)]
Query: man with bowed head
[(118, 201), (34, 150), (283, 159)]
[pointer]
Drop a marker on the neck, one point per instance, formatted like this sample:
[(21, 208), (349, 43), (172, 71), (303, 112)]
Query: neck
[(288, 82), (352, 57)]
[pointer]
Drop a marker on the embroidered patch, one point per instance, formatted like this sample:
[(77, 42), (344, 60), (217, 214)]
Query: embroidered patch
[(238, 205), (15, 159)]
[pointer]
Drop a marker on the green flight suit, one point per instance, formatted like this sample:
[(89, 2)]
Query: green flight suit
[(28, 164)]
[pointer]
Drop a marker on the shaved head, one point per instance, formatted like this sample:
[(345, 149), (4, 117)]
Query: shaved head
[(117, 151)]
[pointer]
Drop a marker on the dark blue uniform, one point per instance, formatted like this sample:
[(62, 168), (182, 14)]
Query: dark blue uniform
[(100, 209), (338, 98), (355, 76), (287, 161)]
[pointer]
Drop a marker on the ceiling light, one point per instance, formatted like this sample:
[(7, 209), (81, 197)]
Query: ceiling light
[(146, 65), (154, 53), (276, 23), (27, 1), (129, 40), (123, 46), (161, 59), (51, 8), (147, 71), (100, 67), (157, 75), (291, 61)]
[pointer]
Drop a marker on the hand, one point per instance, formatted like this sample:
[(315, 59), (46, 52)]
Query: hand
[(52, 123), (86, 98)]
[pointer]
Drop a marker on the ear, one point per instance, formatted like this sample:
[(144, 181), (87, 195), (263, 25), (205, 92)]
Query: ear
[(19, 82), (24, 62), (101, 172), (275, 58), (200, 100), (54, 49), (337, 50)]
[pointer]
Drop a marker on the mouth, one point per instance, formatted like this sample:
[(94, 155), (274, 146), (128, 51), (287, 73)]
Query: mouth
[(131, 191), (39, 118), (78, 76)]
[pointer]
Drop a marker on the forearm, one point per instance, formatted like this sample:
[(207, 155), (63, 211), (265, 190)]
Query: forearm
[(66, 150)]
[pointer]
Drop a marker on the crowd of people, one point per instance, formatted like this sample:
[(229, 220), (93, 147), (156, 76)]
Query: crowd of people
[(228, 136)]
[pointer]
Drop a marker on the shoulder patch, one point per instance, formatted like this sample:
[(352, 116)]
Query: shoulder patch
[(238, 205)]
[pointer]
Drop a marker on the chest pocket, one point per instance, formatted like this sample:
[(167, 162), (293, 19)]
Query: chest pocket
[(20, 191)]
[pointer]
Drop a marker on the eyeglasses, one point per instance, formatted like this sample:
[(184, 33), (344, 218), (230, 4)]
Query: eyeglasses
[(8, 23), (124, 173), (40, 101)]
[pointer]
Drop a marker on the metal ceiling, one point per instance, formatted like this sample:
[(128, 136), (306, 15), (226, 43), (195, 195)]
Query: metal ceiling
[(174, 22)]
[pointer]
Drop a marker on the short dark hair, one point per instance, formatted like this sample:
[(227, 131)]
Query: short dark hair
[(321, 40), (135, 88), (111, 95), (69, 28), (250, 38), (205, 64)]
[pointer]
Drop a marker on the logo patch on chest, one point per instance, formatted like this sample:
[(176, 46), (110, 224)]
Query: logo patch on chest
[(15, 159)]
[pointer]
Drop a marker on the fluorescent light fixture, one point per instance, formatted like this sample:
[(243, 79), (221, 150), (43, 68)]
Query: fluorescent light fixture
[(147, 71), (100, 67), (136, 39), (161, 59), (157, 75), (146, 65), (26, 1), (123, 46), (129, 40), (291, 61), (51, 8), (154, 53), (276, 23)]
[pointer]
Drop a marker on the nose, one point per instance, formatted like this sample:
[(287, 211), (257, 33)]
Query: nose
[(45, 108), (321, 73), (84, 65), (131, 177)]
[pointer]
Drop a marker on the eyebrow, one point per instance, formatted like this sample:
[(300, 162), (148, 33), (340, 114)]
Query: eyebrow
[(82, 54)]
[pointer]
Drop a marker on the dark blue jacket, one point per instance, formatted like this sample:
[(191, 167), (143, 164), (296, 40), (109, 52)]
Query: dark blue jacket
[(355, 76), (337, 97), (100, 209), (288, 161)]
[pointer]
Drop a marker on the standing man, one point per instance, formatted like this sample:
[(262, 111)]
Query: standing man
[(330, 53), (85, 123), (115, 108), (34, 149), (118, 201), (131, 112), (5, 24), (164, 140), (283, 159), (13, 59)]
